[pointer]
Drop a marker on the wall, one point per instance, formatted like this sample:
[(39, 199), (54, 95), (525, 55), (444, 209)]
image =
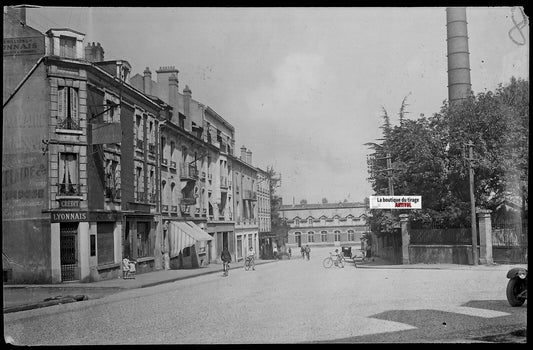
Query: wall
[(440, 254), (25, 229)]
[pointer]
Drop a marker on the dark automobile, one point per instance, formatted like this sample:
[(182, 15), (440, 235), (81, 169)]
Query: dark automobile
[(347, 252)]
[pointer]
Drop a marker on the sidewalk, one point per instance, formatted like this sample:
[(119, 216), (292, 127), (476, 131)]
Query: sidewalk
[(30, 296), (380, 263)]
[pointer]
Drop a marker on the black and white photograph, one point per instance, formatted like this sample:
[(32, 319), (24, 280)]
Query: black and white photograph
[(241, 175)]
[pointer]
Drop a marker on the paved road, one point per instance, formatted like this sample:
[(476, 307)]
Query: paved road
[(285, 302)]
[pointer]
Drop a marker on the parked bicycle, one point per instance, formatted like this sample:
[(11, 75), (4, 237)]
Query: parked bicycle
[(336, 259)]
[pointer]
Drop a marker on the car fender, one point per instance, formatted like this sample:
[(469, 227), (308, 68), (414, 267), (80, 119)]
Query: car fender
[(514, 272)]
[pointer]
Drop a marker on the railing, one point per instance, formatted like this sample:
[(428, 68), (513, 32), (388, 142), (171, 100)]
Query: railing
[(223, 182), (452, 236), (188, 201), (188, 172), (69, 189), (112, 193), (173, 165), (68, 124), (141, 196), (164, 208), (164, 161), (140, 144), (174, 209), (151, 148), (249, 195), (509, 234)]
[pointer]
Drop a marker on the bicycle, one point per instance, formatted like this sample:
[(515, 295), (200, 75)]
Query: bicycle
[(248, 262), (333, 259), (225, 267)]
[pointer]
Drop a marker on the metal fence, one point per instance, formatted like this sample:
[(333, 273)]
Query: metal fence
[(509, 234), (449, 236)]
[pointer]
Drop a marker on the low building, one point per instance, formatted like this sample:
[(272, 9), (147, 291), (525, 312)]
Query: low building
[(327, 224)]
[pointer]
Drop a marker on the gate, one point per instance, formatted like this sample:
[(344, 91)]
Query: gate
[(510, 242), (67, 242)]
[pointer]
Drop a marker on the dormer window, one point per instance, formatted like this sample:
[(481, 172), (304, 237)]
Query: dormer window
[(67, 46)]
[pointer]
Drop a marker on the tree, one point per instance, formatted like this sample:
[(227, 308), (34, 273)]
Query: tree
[(324, 200), (275, 200), (303, 201)]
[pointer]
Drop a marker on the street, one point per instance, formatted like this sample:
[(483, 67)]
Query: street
[(288, 301)]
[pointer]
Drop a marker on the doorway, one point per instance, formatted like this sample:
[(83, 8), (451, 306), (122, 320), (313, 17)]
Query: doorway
[(68, 233)]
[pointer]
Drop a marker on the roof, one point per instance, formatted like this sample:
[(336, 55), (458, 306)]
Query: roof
[(322, 206)]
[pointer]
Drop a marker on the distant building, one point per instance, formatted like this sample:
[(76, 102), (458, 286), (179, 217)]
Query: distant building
[(326, 224)]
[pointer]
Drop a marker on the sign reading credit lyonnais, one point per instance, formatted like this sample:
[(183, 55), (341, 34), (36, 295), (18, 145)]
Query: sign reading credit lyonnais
[(395, 202)]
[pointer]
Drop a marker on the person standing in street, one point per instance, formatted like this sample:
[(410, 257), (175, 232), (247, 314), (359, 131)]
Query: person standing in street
[(302, 250), (290, 252), (226, 259), (307, 251), (275, 251)]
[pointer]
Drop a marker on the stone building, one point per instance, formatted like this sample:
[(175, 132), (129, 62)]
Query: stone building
[(325, 224)]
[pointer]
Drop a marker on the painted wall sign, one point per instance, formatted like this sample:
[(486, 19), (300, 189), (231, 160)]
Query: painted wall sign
[(395, 202), (104, 216), (23, 46), (69, 216)]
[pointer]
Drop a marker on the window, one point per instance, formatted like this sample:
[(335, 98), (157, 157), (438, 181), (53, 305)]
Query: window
[(163, 141), (322, 221), (336, 221), (93, 245), (111, 111), (337, 236), (68, 175), (105, 242), (250, 241), (351, 236), (311, 236), (67, 46), (310, 221), (152, 186), (324, 236), (239, 247), (67, 108), (297, 222), (139, 183), (298, 237)]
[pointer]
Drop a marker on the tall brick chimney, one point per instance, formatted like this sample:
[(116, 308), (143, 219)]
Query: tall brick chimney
[(94, 53), (243, 153), (147, 81), (173, 91)]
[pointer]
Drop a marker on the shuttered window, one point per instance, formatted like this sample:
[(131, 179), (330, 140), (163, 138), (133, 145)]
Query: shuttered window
[(105, 242)]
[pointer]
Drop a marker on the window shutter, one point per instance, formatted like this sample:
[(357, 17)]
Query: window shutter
[(61, 102), (74, 104)]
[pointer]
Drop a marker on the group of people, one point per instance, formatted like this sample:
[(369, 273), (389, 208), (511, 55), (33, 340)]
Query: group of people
[(305, 251), (225, 256)]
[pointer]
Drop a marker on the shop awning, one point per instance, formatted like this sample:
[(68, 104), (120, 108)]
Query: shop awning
[(184, 234)]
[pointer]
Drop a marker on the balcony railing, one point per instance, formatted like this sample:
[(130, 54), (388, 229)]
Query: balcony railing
[(173, 165), (141, 196), (188, 201), (174, 209), (164, 208), (112, 193), (249, 195), (223, 182), (69, 189), (68, 124), (164, 161), (188, 172)]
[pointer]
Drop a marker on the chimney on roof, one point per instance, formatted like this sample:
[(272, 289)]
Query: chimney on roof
[(243, 153), (94, 53), (249, 157), (173, 91), (147, 81), (187, 93)]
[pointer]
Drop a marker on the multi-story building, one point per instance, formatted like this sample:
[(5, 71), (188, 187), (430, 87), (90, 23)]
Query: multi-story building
[(245, 203), (80, 162), (263, 213), (327, 224)]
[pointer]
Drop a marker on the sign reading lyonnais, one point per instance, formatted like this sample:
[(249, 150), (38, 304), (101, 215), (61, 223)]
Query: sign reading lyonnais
[(71, 216), (24, 46), (395, 202)]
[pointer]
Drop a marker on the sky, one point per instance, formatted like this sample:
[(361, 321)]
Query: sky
[(305, 87)]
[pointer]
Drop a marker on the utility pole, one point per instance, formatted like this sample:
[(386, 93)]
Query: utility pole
[(472, 201), (389, 172)]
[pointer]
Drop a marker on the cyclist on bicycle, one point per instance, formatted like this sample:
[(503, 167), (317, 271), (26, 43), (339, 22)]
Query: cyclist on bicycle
[(250, 257), (226, 259), (337, 256)]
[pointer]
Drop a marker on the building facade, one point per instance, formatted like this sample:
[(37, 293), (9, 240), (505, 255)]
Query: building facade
[(263, 214), (328, 224)]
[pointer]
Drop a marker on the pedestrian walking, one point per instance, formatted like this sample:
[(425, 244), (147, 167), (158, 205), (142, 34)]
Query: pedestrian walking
[(302, 250), (290, 252), (307, 251), (275, 250), (226, 259)]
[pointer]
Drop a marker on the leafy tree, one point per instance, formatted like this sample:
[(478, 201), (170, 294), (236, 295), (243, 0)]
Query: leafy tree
[(303, 201), (324, 200)]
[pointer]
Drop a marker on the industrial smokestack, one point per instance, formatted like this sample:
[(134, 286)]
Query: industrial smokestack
[(459, 85)]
